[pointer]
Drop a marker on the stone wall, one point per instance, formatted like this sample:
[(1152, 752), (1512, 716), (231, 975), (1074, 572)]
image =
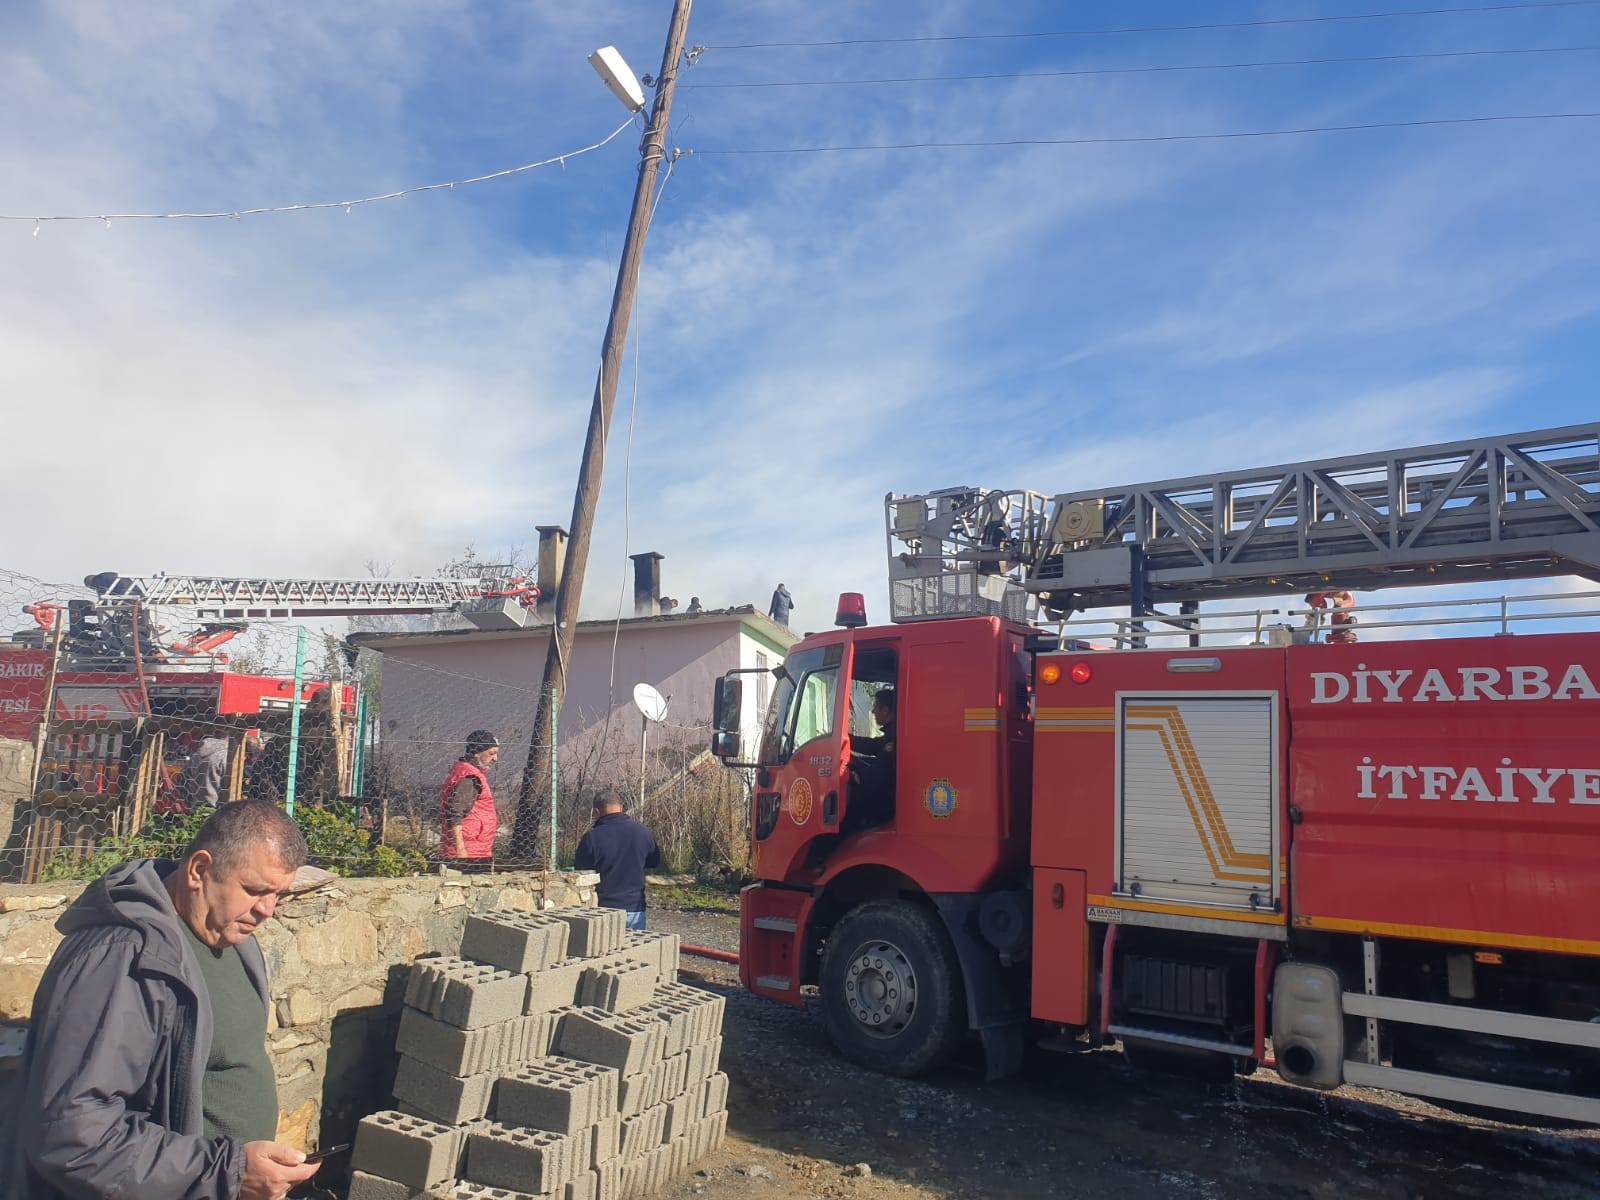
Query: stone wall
[(338, 958)]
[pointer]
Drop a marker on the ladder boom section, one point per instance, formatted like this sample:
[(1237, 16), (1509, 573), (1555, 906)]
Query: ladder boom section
[(1516, 506), (222, 598)]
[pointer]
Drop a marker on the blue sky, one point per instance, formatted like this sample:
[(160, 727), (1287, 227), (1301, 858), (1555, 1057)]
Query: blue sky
[(302, 393)]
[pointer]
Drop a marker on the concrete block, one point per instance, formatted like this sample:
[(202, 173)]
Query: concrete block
[(678, 1019), (465, 994), (581, 1187), (458, 1051), (714, 1057), (644, 948), (477, 1191), (531, 1160), (617, 986), (605, 1141), (374, 1187), (719, 1130), (425, 984), (608, 1180), (542, 1099), (696, 1095), (716, 1095), (679, 1114), (611, 1039), (631, 1093), (699, 1056), (593, 931), (642, 1133), (517, 942), (678, 1158), (408, 1150), (527, 1038), (677, 1073), (632, 1182), (440, 1096), (556, 986), (604, 1080), (707, 1007)]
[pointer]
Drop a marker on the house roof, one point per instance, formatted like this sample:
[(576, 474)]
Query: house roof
[(759, 625)]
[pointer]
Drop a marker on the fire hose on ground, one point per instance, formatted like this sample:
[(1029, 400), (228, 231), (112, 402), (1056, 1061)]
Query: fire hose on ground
[(727, 956)]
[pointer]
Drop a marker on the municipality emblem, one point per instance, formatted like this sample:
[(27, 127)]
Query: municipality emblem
[(941, 800)]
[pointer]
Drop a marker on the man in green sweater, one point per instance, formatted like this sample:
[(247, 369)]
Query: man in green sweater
[(146, 1073)]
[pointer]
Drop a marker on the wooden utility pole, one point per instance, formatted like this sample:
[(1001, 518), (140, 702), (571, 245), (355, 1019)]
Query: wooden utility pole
[(542, 744)]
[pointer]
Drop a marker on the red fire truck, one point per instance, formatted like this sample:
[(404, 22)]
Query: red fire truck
[(1219, 835)]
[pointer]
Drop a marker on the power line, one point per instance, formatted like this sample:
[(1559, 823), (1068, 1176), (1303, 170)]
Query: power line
[(1067, 33), (347, 205), (1167, 137), (1232, 66)]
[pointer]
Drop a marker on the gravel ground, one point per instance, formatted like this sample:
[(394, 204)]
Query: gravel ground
[(806, 1124)]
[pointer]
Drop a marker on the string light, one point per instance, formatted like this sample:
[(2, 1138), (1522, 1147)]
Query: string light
[(347, 205)]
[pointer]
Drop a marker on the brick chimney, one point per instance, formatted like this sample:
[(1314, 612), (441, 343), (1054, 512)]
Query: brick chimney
[(552, 558), (646, 583)]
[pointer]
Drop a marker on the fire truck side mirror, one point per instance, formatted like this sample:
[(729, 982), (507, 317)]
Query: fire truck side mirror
[(726, 706)]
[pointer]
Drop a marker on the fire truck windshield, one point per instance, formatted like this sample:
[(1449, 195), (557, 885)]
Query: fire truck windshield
[(803, 703)]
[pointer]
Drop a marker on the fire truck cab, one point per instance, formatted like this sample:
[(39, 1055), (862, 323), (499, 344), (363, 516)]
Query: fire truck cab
[(894, 856)]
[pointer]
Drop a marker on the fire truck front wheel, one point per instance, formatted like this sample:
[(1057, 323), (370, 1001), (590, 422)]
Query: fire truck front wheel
[(891, 989)]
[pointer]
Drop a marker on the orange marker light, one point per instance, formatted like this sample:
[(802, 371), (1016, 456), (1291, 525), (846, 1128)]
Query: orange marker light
[(1081, 673), (1050, 673), (1491, 958)]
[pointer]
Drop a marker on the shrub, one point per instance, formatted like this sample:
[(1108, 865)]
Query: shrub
[(334, 838)]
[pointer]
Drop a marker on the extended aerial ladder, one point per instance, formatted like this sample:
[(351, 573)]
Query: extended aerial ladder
[(1482, 509), (100, 633)]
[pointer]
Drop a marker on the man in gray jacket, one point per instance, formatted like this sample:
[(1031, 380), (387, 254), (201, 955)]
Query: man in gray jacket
[(145, 1073)]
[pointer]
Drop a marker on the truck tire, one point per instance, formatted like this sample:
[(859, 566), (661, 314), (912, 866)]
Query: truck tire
[(891, 989)]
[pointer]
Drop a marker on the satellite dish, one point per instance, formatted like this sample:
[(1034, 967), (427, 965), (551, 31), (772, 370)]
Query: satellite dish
[(650, 702)]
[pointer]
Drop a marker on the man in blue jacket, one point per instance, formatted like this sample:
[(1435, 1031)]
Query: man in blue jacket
[(621, 849), (145, 1072)]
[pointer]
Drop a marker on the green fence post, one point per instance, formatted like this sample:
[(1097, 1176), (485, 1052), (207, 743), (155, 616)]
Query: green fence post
[(294, 720)]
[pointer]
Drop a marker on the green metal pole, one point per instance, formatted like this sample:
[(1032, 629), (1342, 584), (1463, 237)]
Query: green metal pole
[(294, 720), (358, 769)]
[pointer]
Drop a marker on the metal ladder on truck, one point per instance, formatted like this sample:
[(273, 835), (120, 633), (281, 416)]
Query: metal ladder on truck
[(1518, 506)]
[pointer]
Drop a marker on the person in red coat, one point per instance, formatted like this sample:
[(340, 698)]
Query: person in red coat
[(467, 816)]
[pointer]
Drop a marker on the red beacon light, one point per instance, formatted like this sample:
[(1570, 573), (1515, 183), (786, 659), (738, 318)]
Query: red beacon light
[(1081, 672), (852, 612)]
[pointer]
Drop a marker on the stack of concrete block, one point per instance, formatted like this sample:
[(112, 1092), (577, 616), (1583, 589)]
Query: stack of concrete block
[(557, 1056)]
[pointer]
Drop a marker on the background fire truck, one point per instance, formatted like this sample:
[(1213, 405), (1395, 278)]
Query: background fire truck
[(112, 696), (1222, 839)]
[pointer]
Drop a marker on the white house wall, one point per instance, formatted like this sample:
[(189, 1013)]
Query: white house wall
[(436, 691)]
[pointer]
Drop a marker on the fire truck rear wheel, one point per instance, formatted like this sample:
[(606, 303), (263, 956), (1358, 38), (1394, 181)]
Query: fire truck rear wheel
[(891, 990)]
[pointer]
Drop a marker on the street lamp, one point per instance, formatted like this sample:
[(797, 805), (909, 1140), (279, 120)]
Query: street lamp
[(618, 76)]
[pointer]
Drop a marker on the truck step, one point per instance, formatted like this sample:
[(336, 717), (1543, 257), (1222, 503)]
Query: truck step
[(1134, 1033), (776, 983), (777, 924)]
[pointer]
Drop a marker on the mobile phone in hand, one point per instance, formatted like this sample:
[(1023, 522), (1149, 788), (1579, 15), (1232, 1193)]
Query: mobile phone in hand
[(329, 1152)]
